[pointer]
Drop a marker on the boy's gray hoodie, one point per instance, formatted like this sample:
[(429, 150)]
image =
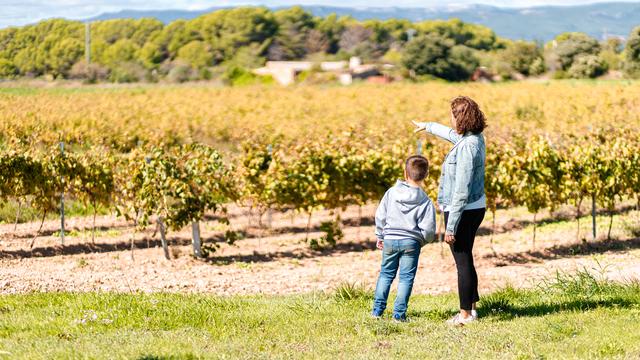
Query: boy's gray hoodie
[(406, 212)]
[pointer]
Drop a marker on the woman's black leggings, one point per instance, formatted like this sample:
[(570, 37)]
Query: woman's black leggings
[(462, 250)]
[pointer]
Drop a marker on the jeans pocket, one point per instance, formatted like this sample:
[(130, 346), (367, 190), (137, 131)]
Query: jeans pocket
[(410, 247)]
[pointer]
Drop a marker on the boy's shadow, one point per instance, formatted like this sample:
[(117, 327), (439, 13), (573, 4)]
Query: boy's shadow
[(432, 314)]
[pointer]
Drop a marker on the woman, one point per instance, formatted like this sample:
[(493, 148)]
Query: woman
[(461, 195)]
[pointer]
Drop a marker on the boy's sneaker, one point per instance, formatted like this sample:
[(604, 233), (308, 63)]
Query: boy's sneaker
[(474, 314), (376, 314), (458, 320), (398, 318)]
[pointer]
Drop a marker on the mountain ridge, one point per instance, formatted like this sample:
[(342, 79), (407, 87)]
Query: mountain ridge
[(529, 23)]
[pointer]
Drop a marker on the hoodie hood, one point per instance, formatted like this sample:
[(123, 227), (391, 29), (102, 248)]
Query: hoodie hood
[(408, 197)]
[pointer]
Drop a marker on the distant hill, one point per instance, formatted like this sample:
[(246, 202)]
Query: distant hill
[(165, 16), (532, 23)]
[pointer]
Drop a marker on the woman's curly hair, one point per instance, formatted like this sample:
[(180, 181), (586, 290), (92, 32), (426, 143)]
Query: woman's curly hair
[(468, 115)]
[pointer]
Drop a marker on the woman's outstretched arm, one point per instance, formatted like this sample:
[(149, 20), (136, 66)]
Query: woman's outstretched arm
[(439, 130)]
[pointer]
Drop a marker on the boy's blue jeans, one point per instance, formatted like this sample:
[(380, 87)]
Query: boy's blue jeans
[(397, 255)]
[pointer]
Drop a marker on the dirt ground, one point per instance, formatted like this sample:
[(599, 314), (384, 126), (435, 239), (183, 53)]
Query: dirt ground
[(277, 260)]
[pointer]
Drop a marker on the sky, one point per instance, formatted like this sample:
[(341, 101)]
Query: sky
[(20, 12)]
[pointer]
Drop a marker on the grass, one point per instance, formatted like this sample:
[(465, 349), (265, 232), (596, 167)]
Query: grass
[(27, 213), (570, 316), (86, 233)]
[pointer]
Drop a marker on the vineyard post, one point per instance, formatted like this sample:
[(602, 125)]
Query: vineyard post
[(493, 230), (593, 215), (93, 229), (308, 225), (535, 223), (197, 244), (62, 199), (610, 223), (147, 161), (359, 220), (578, 218), (15, 225), (133, 240), (163, 238), (270, 152), (419, 146)]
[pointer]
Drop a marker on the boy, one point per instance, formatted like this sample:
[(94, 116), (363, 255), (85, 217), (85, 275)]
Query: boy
[(405, 221)]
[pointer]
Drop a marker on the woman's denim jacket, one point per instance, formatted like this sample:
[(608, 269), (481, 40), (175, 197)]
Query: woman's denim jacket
[(462, 179)]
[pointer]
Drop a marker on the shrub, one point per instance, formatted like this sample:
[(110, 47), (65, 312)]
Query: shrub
[(7, 69), (612, 60), (632, 53), (197, 54), (537, 67), (316, 77), (347, 291), (559, 75), (236, 76), (179, 73), (588, 66), (90, 73), (127, 72), (568, 47), (333, 233), (393, 56), (438, 56), (520, 55)]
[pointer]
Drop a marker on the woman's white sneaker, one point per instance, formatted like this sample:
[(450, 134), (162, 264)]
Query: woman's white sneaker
[(458, 320)]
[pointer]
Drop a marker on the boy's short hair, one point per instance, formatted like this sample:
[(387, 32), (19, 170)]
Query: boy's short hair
[(417, 167)]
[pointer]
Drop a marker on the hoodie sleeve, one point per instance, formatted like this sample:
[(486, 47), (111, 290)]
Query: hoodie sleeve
[(427, 223), (381, 216)]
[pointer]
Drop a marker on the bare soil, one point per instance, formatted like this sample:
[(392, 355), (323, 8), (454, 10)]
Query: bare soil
[(276, 259)]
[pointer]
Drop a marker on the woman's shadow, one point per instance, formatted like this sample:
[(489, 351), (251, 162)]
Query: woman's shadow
[(501, 308)]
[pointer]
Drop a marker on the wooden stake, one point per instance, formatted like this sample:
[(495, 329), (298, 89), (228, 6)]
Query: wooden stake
[(163, 238), (197, 244)]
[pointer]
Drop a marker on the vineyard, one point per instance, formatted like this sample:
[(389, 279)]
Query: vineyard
[(541, 155), (124, 118)]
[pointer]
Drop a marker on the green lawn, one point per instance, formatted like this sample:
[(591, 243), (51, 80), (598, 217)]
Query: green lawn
[(573, 316)]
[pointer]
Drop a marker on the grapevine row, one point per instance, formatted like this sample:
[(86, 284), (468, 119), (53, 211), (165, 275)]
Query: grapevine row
[(178, 184)]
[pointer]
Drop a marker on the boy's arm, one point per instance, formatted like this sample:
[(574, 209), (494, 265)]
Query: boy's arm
[(427, 224), (381, 217), (439, 130)]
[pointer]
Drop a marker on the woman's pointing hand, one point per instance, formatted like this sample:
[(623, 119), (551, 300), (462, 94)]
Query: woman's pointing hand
[(419, 126)]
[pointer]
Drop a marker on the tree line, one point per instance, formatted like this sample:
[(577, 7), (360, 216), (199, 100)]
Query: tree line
[(177, 185), (227, 43)]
